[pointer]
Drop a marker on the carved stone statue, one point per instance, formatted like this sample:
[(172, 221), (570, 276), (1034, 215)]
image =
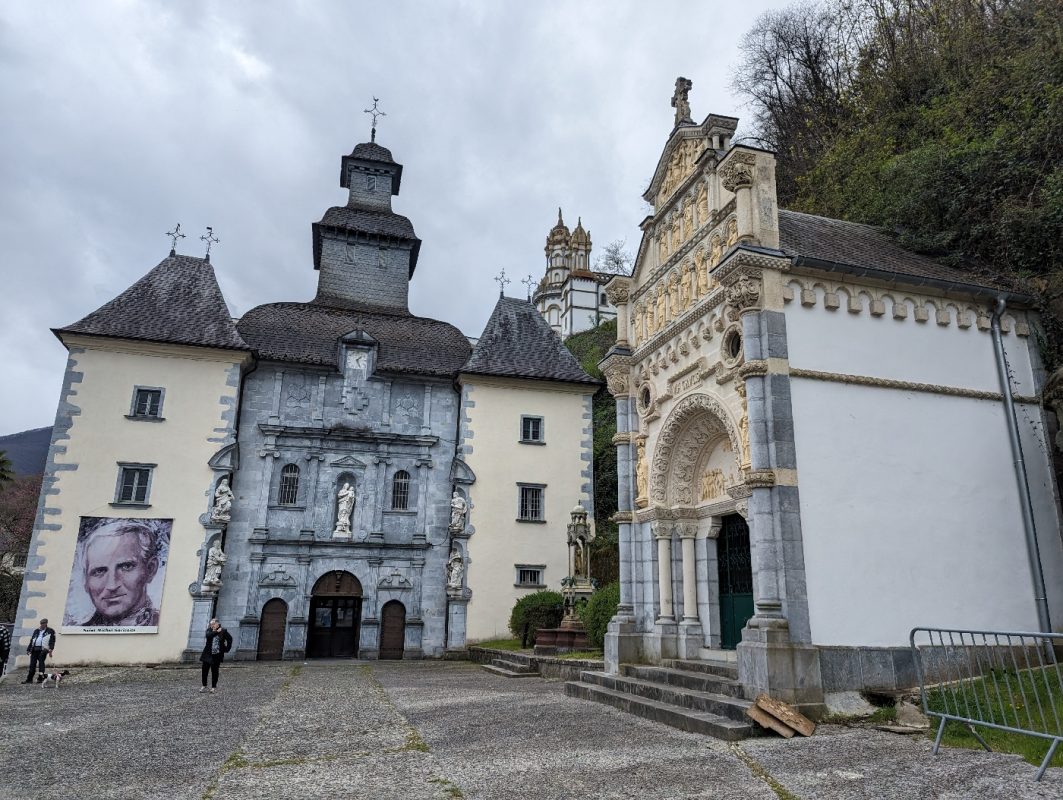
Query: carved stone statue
[(680, 102), (223, 502), (717, 250), (688, 219), (215, 559), (743, 435), (458, 509), (344, 508), (712, 484), (455, 570), (702, 273), (660, 316), (673, 295), (732, 231), (642, 473), (684, 286), (703, 203)]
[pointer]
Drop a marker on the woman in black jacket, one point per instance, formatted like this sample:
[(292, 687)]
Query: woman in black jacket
[(219, 642)]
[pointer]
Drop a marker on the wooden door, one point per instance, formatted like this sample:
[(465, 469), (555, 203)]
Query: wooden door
[(335, 616), (271, 630), (392, 630), (736, 580)]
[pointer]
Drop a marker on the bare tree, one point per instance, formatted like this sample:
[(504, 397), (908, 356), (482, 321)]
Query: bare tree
[(614, 259)]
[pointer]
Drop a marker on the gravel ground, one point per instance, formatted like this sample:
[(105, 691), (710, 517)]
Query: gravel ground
[(413, 730)]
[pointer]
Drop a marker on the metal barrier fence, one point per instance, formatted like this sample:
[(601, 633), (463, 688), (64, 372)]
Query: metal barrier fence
[(1005, 680)]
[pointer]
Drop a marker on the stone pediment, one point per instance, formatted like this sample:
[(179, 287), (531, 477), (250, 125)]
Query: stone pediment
[(460, 472), (684, 147), (278, 578), (395, 580), (227, 459), (348, 461)]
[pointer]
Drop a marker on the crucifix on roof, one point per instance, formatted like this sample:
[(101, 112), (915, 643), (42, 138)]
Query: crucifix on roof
[(175, 234), (502, 280), (375, 112), (210, 239), (529, 282)]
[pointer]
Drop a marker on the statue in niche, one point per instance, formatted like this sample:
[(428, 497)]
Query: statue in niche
[(458, 509), (673, 295), (659, 314), (717, 250), (455, 570), (684, 287), (703, 272), (223, 502), (662, 246), (677, 239), (642, 475), (344, 509), (703, 203), (732, 231), (712, 484), (215, 560), (688, 219), (743, 432)]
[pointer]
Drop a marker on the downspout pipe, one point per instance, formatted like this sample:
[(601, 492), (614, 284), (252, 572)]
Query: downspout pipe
[(1033, 551)]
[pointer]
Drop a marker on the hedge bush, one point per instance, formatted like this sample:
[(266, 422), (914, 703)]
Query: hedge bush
[(542, 609), (601, 608)]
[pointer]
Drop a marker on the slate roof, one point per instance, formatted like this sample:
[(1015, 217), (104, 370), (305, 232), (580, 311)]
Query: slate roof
[(371, 151), (309, 333), (178, 302), (865, 246), (369, 220), (519, 343)]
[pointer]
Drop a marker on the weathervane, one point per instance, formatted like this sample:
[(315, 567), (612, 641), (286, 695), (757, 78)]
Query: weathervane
[(376, 112), (210, 239), (529, 282), (502, 280), (175, 234)]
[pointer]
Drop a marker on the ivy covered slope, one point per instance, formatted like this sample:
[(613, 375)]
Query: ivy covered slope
[(941, 120), (589, 348)]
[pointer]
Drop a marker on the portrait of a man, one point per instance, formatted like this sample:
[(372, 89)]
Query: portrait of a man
[(116, 582)]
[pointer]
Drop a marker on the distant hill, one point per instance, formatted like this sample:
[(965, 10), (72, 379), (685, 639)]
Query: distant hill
[(27, 451)]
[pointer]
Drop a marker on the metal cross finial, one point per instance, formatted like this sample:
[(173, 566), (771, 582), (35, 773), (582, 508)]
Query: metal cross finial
[(375, 112), (529, 282), (210, 239), (175, 234), (502, 280)]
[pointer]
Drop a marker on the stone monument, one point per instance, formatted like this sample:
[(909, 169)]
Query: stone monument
[(577, 585)]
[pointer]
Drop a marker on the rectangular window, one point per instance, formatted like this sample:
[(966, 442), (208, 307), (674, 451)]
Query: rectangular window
[(531, 429), (531, 504), (147, 403), (370, 183), (529, 576), (134, 481)]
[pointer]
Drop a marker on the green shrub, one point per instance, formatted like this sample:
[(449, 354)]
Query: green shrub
[(601, 609), (542, 609)]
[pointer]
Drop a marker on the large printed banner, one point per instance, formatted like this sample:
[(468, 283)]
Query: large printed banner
[(116, 582)]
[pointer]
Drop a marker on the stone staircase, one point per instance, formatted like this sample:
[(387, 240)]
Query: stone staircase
[(512, 665), (695, 696)]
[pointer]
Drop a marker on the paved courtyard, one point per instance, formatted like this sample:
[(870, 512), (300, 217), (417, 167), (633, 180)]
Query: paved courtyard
[(430, 730)]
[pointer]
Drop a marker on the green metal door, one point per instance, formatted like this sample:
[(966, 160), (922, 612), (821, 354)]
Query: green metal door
[(736, 580)]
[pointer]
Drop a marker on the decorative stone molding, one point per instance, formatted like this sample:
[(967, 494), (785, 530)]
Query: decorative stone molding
[(616, 366), (661, 529), (622, 516), (753, 369), (760, 479), (743, 295), (278, 578), (907, 386), (687, 530), (715, 529), (692, 423), (737, 171), (618, 290)]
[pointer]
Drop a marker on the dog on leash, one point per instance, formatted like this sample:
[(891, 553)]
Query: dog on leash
[(54, 678)]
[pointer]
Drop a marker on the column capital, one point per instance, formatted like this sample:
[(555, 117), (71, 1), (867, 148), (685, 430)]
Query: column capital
[(661, 529), (687, 530)]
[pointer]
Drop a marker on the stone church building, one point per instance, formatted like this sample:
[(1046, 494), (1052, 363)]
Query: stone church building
[(813, 438), (313, 474)]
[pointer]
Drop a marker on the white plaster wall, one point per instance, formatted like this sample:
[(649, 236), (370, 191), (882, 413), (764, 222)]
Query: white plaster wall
[(909, 504), (195, 380), (500, 462)]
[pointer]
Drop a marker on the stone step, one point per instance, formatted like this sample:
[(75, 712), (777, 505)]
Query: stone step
[(508, 673), (733, 708), (685, 719), (684, 679), (726, 669), (514, 666), (717, 654)]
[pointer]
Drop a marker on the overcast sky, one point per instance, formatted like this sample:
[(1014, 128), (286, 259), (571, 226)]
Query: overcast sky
[(120, 119)]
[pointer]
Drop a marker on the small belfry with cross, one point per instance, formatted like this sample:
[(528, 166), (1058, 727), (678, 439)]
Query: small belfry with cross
[(529, 283), (375, 112), (502, 280), (174, 235), (210, 239)]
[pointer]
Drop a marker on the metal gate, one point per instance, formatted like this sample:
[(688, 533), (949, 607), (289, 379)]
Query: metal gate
[(736, 580)]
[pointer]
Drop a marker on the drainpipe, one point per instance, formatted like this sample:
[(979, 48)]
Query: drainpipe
[(1032, 549)]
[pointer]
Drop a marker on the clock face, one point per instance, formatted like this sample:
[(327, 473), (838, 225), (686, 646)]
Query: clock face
[(357, 360)]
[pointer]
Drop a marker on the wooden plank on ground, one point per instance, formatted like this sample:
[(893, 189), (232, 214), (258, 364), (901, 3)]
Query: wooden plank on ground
[(786, 714), (766, 720)]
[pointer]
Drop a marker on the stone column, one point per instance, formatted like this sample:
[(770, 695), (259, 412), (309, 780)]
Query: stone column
[(420, 534), (662, 532), (687, 532), (736, 174)]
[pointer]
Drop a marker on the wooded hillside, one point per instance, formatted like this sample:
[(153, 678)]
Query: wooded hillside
[(939, 119)]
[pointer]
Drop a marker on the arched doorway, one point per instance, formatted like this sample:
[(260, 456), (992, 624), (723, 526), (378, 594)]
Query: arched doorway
[(271, 630), (392, 629), (335, 616)]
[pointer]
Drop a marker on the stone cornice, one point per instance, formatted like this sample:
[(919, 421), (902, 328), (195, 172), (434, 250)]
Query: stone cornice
[(323, 435), (907, 386)]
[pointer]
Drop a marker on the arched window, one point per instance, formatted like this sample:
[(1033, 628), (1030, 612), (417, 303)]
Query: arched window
[(400, 490), (288, 492)]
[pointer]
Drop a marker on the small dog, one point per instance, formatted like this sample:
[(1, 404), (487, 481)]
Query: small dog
[(54, 678)]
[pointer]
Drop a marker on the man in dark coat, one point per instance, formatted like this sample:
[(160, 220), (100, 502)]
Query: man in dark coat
[(219, 642), (41, 645)]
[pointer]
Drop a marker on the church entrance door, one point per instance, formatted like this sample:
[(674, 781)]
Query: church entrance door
[(271, 630), (392, 629), (736, 580), (335, 617)]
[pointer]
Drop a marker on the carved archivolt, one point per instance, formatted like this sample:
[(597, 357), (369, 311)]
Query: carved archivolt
[(899, 305), (696, 421)]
